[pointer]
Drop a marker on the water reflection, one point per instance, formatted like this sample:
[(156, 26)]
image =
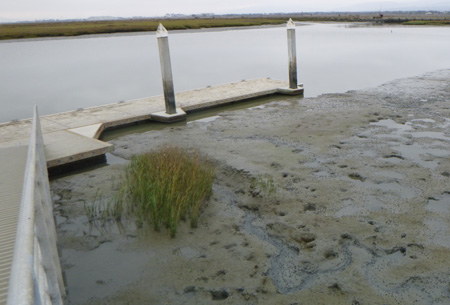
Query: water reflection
[(66, 74)]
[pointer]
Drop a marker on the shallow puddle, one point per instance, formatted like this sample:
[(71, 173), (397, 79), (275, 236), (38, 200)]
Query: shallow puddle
[(98, 273), (439, 231), (420, 154), (431, 134), (206, 120), (394, 125), (390, 174), (393, 188), (112, 159), (350, 209), (439, 205)]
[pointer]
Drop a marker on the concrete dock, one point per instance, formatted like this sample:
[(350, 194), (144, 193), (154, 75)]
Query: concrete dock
[(73, 136)]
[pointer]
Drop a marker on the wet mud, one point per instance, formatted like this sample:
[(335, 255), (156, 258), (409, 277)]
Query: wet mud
[(339, 199)]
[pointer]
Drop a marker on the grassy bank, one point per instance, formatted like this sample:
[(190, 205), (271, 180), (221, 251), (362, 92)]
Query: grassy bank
[(61, 29), (428, 22), (67, 29)]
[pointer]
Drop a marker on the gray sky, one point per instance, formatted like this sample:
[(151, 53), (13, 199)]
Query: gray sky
[(66, 9)]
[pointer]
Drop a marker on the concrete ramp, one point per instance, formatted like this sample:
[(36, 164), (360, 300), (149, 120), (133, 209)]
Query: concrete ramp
[(12, 169)]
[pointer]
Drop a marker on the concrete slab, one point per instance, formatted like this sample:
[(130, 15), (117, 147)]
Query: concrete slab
[(225, 94), (290, 91), (50, 126), (62, 147), (90, 131), (73, 119), (164, 117), (142, 106), (13, 143)]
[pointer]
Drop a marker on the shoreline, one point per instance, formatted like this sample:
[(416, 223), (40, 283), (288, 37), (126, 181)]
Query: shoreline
[(79, 28), (361, 210)]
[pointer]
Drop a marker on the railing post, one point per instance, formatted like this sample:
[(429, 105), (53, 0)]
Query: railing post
[(292, 55), (166, 69)]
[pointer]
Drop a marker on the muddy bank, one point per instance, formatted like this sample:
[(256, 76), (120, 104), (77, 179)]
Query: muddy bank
[(340, 199)]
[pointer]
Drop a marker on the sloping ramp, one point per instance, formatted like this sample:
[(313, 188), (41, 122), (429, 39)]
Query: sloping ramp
[(12, 169)]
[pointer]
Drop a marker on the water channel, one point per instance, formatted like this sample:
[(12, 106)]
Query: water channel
[(65, 74)]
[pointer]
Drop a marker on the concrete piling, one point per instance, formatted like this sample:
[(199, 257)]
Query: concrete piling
[(166, 69), (294, 88), (292, 55)]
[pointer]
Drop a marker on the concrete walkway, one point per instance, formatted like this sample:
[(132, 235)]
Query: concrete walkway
[(72, 136)]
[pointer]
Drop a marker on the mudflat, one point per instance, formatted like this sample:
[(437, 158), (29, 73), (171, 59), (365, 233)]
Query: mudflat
[(339, 199)]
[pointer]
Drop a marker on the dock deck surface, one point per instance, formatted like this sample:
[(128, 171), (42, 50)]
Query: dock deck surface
[(72, 136)]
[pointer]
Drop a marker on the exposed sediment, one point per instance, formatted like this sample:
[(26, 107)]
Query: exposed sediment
[(339, 199)]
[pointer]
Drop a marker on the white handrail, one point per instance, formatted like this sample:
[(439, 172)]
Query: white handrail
[(36, 276)]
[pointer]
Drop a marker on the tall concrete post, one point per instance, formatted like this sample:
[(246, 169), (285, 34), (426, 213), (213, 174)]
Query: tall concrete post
[(294, 87), (292, 55), (166, 69)]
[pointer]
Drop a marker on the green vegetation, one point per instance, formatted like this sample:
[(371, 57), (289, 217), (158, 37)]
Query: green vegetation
[(167, 185), (103, 209), (263, 185), (77, 28), (159, 188), (427, 22), (59, 29)]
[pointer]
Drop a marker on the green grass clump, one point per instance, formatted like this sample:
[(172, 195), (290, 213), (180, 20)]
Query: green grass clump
[(167, 185)]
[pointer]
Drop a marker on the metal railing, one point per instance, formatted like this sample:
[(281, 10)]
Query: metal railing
[(36, 276)]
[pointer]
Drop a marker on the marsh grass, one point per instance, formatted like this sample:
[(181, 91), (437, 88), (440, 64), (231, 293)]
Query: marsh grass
[(77, 28), (61, 29), (102, 209), (159, 188), (165, 186), (427, 22)]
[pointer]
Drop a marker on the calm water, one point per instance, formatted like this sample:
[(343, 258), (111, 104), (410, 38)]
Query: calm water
[(66, 74)]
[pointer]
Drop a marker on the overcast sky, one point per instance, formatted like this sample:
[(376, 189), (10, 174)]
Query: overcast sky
[(66, 9)]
